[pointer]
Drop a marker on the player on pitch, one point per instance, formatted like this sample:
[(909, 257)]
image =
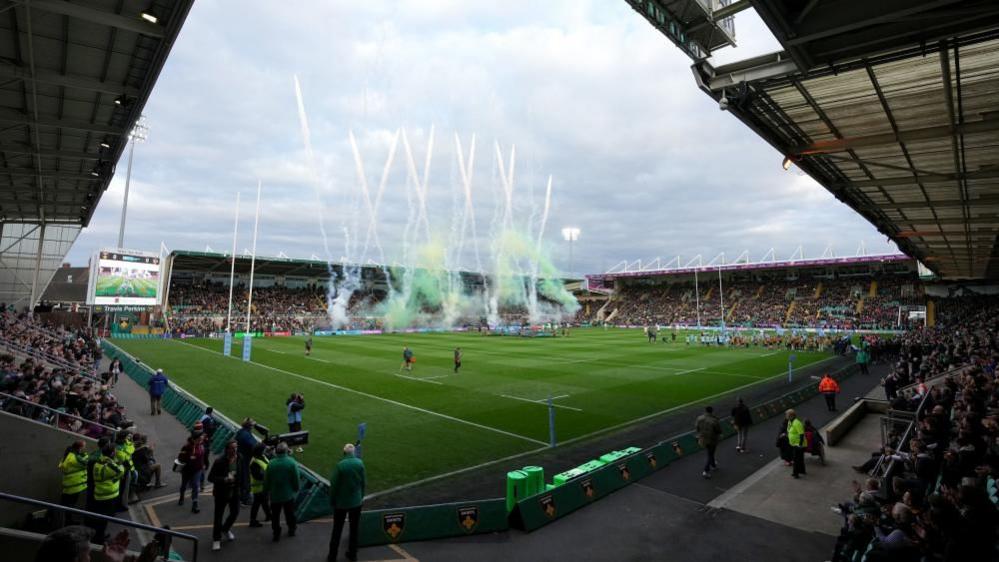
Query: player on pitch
[(457, 359)]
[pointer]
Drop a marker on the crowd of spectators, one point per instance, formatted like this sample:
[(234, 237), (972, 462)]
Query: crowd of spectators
[(840, 303), (54, 367), (932, 491)]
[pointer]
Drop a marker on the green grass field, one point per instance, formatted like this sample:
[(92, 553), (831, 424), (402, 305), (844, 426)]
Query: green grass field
[(117, 286), (430, 421)]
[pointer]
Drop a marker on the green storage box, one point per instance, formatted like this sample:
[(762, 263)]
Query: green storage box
[(516, 488), (535, 479), (591, 465), (612, 456), (563, 477), (632, 450)]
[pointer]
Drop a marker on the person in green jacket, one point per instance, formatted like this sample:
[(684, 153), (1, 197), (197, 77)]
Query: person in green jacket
[(796, 437), (74, 477), (346, 496), (281, 486), (106, 477)]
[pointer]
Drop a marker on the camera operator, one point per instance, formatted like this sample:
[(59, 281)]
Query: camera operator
[(295, 405)]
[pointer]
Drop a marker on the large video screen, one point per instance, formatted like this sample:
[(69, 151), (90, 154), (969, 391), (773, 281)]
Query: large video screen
[(127, 278)]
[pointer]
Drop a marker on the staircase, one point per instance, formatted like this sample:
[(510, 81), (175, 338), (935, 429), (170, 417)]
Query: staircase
[(731, 311), (860, 305), (758, 293), (873, 291), (818, 291), (707, 296), (790, 311)]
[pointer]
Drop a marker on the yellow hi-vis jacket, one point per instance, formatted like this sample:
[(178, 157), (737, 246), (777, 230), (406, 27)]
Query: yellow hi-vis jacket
[(74, 473), (107, 479)]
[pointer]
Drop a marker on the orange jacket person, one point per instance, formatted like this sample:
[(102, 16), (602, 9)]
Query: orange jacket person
[(829, 388)]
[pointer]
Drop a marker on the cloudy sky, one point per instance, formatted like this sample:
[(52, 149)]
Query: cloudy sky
[(586, 90)]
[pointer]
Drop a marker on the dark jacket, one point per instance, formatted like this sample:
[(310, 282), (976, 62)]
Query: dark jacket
[(219, 475), (708, 429), (158, 384), (741, 416)]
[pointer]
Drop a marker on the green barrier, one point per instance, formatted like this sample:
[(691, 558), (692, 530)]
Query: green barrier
[(516, 487), (535, 479), (432, 522)]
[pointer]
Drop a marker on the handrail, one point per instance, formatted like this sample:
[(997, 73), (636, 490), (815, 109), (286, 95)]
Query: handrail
[(90, 372), (108, 518), (57, 413), (904, 440)]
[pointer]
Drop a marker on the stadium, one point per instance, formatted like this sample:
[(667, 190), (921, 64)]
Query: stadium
[(443, 378)]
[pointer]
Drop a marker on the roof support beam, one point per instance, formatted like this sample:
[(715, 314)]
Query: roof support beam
[(921, 178), (69, 81), (927, 133), (773, 65), (101, 17), (943, 204), (20, 119)]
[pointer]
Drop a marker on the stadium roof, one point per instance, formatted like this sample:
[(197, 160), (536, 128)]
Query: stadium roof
[(182, 260), (892, 106), (74, 78), (746, 265)]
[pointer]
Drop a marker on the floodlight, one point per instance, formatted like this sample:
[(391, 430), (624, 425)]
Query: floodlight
[(786, 164), (723, 103), (149, 17), (570, 234), (105, 144)]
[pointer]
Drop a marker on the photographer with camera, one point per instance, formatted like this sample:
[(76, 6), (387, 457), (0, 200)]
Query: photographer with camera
[(295, 405)]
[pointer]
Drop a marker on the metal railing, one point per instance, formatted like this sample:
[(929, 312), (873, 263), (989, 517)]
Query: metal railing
[(91, 515), (54, 360), (53, 416)]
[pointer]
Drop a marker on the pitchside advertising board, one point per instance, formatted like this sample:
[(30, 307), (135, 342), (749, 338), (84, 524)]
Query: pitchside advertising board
[(124, 278)]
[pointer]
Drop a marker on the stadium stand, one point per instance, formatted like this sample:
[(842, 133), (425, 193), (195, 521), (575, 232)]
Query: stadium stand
[(932, 492)]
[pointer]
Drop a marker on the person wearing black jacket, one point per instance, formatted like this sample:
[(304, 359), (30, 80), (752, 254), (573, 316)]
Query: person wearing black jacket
[(225, 492), (742, 419)]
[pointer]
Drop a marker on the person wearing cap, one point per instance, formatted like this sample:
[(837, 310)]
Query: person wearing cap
[(194, 459), (158, 385), (281, 483), (796, 437), (346, 496)]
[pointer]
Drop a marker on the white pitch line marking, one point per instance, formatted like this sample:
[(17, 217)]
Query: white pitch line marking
[(540, 402), (418, 379), (318, 359), (769, 354), (376, 397)]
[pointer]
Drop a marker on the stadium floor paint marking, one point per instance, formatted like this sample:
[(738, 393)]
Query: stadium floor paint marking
[(418, 379), (541, 402), (318, 359), (376, 397)]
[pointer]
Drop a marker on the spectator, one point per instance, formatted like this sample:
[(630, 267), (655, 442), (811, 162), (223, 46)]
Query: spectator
[(158, 384), (708, 433), (741, 420), (281, 486), (208, 423), (223, 476), (149, 471), (246, 444), (346, 494), (193, 458)]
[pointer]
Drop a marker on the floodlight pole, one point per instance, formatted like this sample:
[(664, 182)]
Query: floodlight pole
[(138, 134)]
